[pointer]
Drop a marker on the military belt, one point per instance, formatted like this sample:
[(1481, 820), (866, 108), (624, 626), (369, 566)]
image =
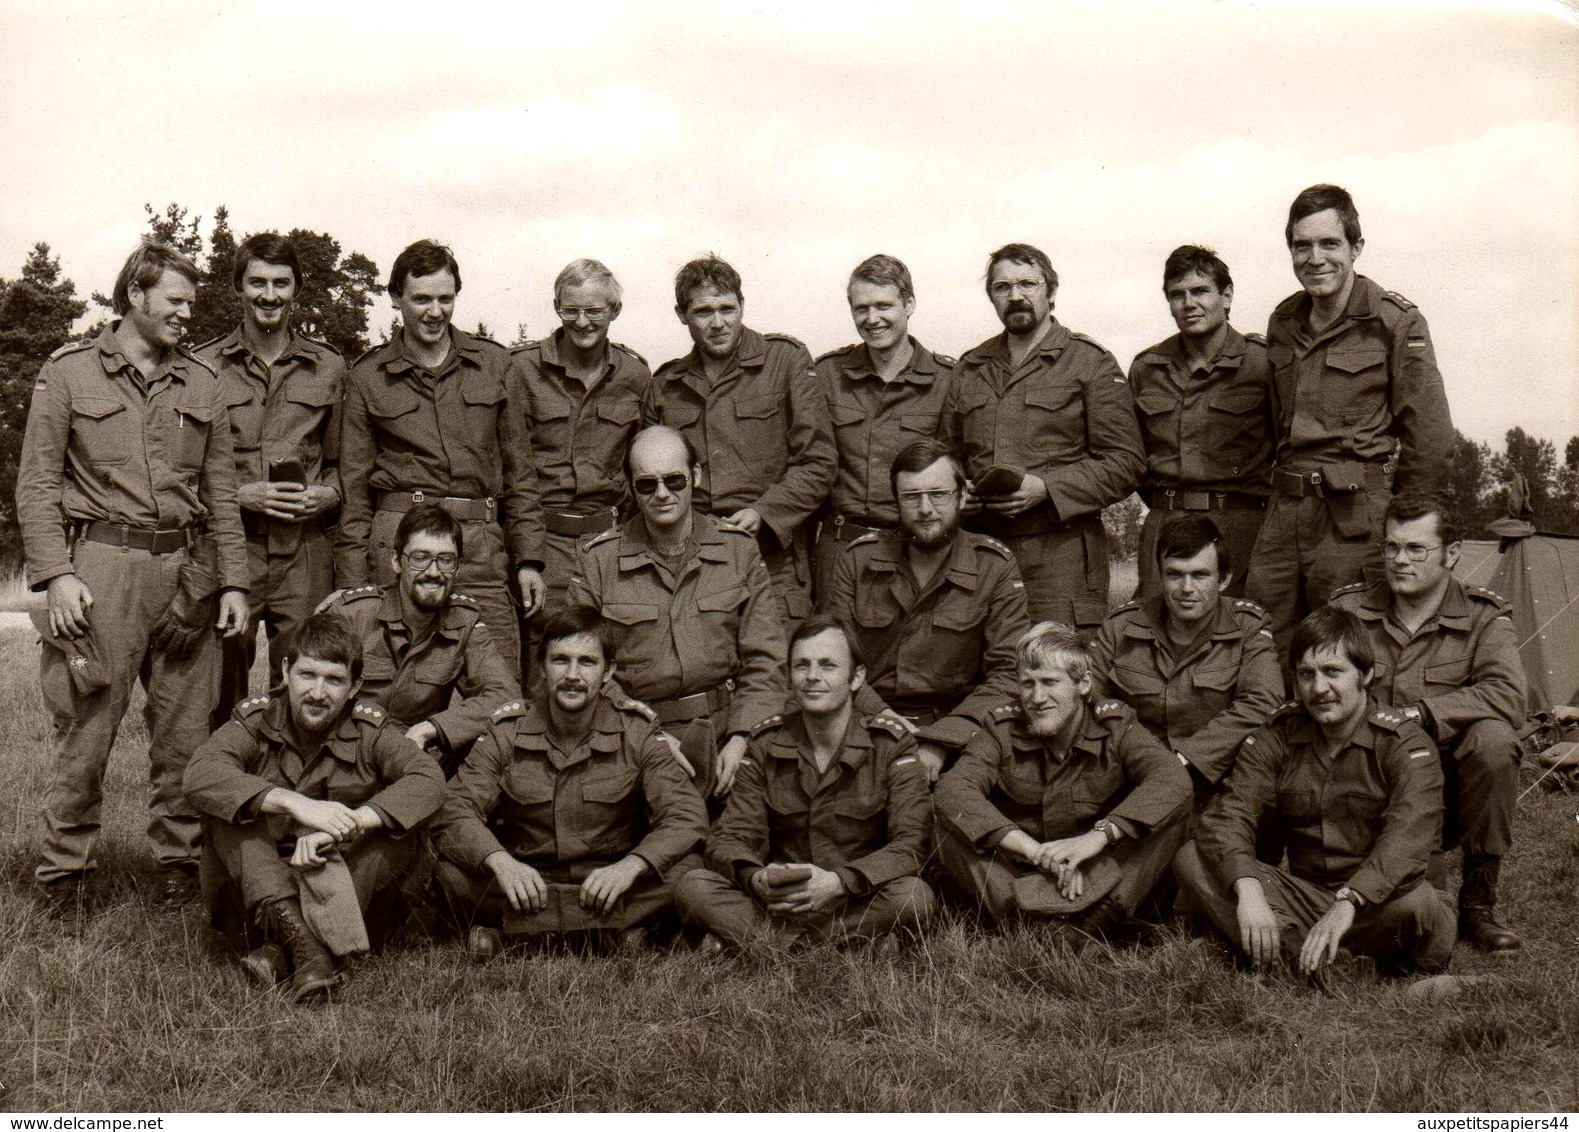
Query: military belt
[(466, 510), (1173, 499), (574, 526), (138, 538), (1332, 479), (843, 528), (683, 709)]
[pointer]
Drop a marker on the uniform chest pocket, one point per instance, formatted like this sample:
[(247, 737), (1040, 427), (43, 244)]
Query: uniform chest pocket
[(1223, 678), (1298, 805), (245, 410), (1061, 400), (611, 788), (392, 403), (758, 408), (1134, 680), (1024, 790), (1097, 792), (1363, 809), (438, 669), (1449, 672), (191, 433), (629, 613), (860, 803), (874, 608), (618, 412), (479, 388), (528, 783), (787, 804), (923, 424), (678, 413), (378, 670), (722, 601), (312, 394), (845, 415), (1355, 361), (103, 429), (550, 409), (1237, 402), (958, 612), (1155, 404)]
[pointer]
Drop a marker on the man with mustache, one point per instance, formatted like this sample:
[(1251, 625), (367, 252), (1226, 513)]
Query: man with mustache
[(424, 645), (314, 803), (125, 460), (1447, 656), (1049, 434), (434, 415), (1357, 790), (1203, 399), (1360, 412), (882, 395), (570, 814), (754, 411), (283, 392)]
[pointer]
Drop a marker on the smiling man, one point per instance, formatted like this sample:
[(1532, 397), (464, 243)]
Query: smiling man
[(1203, 399), (283, 392), (1359, 410)]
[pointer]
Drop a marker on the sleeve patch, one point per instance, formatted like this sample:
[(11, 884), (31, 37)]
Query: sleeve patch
[(1415, 343), (1422, 753)]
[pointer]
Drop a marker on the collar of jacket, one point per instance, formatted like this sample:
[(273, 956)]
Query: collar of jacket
[(1170, 353), (174, 363), (295, 346), (997, 347), (1363, 297), (1376, 601), (451, 621), (959, 568), (922, 369), (751, 352), (1306, 731), (636, 548), (548, 349), (1148, 626), (392, 356), (1088, 739), (791, 741), (532, 731), (279, 728)]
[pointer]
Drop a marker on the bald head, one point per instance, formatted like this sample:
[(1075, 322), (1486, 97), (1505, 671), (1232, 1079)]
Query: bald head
[(661, 465)]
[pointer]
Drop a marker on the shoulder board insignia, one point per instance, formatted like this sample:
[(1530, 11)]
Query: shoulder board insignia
[(868, 537), (1005, 711), (71, 348), (1245, 605), (1287, 707), (252, 706), (187, 353), (458, 598), (486, 341), (326, 347), (836, 352), (600, 538), (1389, 718), (507, 710), (1399, 301), (1351, 588), (361, 593), (790, 338), (1088, 340), (1258, 339), (945, 360), (730, 528), (369, 713), (883, 723), (989, 543), (766, 725), (1109, 709), (624, 349), (1485, 594), (636, 707), (368, 353), (529, 345), (214, 341), (1127, 607)]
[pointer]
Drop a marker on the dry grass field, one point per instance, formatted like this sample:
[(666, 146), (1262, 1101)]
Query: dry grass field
[(132, 1010)]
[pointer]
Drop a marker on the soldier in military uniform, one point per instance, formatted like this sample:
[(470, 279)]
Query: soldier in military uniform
[(825, 832), (313, 800), (571, 814), (1049, 412), (126, 459), (1203, 399), (698, 627), (1198, 666), (935, 610), (1447, 657), (1360, 410), (434, 415), (1057, 790), (583, 405), (282, 390), (756, 416), (423, 644), (1357, 790), (883, 394)]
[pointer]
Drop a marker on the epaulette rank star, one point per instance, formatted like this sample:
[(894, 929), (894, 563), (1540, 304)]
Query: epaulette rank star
[(892, 726), (994, 545), (252, 706), (767, 724), (631, 704), (1108, 709), (1005, 711), (356, 593), (506, 710), (372, 713), (458, 598), (600, 538)]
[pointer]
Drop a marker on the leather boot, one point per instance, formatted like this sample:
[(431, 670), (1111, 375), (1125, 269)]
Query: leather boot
[(1477, 906), (312, 967)]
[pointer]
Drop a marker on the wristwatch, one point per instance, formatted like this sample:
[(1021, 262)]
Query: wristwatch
[(1349, 896), (1107, 829)]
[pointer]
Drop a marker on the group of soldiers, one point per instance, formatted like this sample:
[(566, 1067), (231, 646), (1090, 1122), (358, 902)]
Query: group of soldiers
[(800, 639)]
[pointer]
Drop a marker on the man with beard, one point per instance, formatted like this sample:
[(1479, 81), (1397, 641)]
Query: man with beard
[(1057, 795), (312, 801), (1357, 788), (826, 829), (935, 610), (126, 459), (434, 415), (1049, 434), (882, 395), (570, 814), (756, 416), (283, 392), (424, 644), (698, 629), (1447, 656), (1204, 403)]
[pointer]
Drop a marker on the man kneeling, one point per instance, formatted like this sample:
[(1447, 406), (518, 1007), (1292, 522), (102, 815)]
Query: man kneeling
[(1027, 817), (1358, 792), (570, 814), (825, 831), (309, 798)]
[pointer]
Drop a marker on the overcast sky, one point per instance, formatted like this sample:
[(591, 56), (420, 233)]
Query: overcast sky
[(795, 139)]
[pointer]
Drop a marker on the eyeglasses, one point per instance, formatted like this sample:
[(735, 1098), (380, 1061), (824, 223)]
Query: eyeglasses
[(1413, 550), (937, 498), (674, 483), (593, 314), (420, 560), (1028, 286)]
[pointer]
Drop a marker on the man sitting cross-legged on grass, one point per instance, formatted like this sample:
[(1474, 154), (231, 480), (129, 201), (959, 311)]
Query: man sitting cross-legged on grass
[(825, 831), (1058, 807), (1357, 787), (309, 799), (570, 814)]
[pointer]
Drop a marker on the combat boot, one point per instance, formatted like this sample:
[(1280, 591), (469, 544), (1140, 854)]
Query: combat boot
[(312, 967), (1477, 906)]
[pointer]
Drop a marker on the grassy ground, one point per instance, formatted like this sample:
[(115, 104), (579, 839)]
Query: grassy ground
[(134, 1012)]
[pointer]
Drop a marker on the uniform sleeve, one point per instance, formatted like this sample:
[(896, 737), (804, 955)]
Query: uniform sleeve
[(486, 683), (1226, 834), (217, 491), (811, 459), (461, 832), (216, 780), (357, 453), (1493, 688), (1115, 457), (1008, 617), (908, 810), (1412, 821), (760, 684), (1161, 791), (1258, 690), (333, 367), (39, 479), (961, 799), (1104, 647), (415, 789), (520, 504), (677, 816), (738, 845), (1419, 407)]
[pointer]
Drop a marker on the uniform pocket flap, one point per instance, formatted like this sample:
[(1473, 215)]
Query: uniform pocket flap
[(393, 401), (1219, 679), (238, 395), (757, 408), (857, 805), (721, 601), (1238, 400), (96, 408), (616, 412), (629, 613), (1354, 361), (609, 788), (528, 785), (846, 414), (315, 393), (1448, 672), (479, 388), (1136, 681), (958, 615), (924, 423), (1153, 403), (197, 410), (1052, 396)]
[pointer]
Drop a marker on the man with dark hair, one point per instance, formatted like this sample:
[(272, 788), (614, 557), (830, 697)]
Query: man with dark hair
[(935, 610), (283, 392), (698, 627), (882, 394), (311, 800), (1359, 410), (582, 405), (126, 497), (1199, 667), (1203, 399), (1050, 438), (1448, 658), (570, 814), (755, 413), (827, 827), (426, 645), (1357, 789), (1058, 795), (435, 415)]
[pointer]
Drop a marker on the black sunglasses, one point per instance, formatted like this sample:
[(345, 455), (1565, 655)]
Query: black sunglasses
[(676, 482)]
